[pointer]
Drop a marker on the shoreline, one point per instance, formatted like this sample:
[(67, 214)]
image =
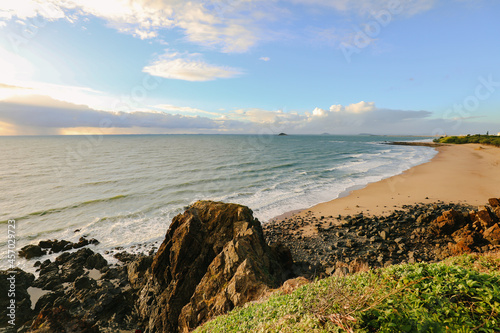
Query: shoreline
[(466, 174)]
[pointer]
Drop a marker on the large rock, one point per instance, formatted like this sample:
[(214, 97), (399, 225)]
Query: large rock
[(492, 234), (448, 222), (214, 257), (31, 251), (494, 202), (485, 218)]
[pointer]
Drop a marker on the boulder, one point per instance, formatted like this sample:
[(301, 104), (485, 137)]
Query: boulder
[(485, 218), (31, 251), (492, 234), (448, 222), (214, 257), (96, 261), (494, 202)]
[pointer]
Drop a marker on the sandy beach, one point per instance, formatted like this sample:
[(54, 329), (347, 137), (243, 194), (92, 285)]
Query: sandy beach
[(468, 174)]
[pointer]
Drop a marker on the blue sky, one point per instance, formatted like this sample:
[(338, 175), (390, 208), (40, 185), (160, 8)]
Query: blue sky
[(421, 67)]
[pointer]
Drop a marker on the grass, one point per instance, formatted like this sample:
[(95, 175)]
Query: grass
[(460, 294), (477, 138)]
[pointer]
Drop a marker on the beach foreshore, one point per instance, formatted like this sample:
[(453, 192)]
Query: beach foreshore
[(467, 174)]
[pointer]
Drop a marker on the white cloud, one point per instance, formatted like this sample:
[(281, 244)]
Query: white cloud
[(25, 9), (264, 58), (317, 112), (188, 67), (42, 113), (360, 107), (225, 25)]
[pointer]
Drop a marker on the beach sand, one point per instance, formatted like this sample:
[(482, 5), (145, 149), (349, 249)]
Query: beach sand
[(468, 174)]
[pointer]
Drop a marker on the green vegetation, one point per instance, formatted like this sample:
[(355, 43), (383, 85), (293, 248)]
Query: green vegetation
[(460, 294), (477, 138)]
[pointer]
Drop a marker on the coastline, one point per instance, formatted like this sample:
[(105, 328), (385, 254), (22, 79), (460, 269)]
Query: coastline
[(466, 174)]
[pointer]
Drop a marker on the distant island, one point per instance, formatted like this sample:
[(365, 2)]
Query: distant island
[(282, 134)]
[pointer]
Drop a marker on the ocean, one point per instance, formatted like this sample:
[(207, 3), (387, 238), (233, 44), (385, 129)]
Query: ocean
[(125, 190)]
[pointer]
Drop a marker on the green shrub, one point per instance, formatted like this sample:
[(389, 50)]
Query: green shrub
[(461, 294), (477, 138)]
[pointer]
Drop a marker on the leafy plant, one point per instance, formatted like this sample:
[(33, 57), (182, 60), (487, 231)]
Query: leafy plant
[(460, 294)]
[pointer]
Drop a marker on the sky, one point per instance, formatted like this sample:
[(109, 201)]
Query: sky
[(404, 67)]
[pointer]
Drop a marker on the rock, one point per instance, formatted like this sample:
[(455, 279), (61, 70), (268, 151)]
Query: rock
[(492, 234), (497, 212), (137, 269), (83, 282), (60, 321), (214, 257), (448, 222), (47, 300), (290, 285), (494, 202), (485, 217), (31, 251), (96, 261)]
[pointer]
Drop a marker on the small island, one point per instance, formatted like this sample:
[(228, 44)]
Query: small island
[(282, 134)]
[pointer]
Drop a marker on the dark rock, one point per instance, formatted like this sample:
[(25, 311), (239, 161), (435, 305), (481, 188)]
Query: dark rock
[(494, 202), (96, 261), (31, 251), (83, 282), (125, 257), (47, 301)]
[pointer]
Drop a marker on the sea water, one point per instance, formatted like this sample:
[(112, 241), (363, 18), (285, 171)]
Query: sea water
[(125, 190)]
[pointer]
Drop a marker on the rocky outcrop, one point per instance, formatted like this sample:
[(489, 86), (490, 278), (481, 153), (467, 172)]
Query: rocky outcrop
[(420, 232), (214, 257), (53, 246)]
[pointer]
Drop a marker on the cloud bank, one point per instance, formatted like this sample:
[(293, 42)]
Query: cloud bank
[(44, 115), (190, 67)]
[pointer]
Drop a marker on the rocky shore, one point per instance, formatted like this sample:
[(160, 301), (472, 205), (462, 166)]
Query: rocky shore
[(217, 256), (415, 143), (214, 257), (421, 232)]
